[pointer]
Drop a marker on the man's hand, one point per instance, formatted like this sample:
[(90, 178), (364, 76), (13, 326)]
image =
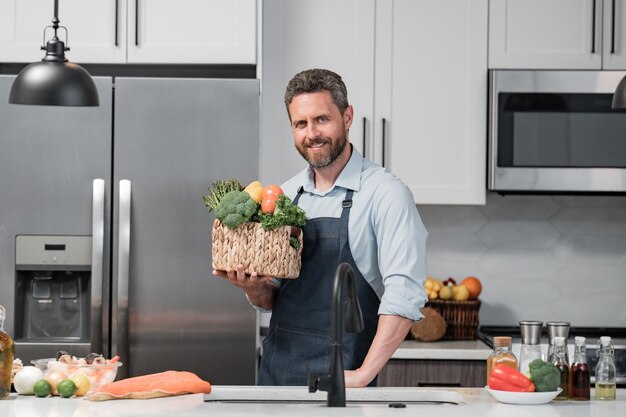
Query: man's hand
[(259, 289)]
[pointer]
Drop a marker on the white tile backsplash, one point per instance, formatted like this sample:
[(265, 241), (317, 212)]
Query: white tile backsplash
[(539, 257)]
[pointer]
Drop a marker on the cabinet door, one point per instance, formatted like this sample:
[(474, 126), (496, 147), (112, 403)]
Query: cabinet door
[(96, 29), (545, 34), (192, 31), (614, 35), (303, 34), (431, 91)]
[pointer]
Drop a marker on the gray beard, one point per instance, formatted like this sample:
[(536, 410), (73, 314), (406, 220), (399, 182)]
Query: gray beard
[(328, 159)]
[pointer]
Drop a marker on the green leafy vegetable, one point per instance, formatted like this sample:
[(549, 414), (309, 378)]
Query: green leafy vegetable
[(294, 242), (286, 214), (218, 190), (545, 375), (235, 208)]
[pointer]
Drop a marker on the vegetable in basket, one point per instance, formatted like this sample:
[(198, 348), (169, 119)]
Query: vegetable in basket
[(218, 190), (545, 375), (235, 208)]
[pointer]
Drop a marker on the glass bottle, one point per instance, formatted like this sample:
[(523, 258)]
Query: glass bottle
[(605, 370), (560, 361), (531, 349), (7, 350), (579, 378), (556, 329), (501, 354)]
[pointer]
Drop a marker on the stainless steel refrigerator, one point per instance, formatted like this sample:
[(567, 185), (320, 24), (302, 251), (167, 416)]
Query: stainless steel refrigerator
[(104, 238)]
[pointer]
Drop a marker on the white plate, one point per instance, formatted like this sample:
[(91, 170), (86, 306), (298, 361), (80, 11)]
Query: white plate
[(527, 398)]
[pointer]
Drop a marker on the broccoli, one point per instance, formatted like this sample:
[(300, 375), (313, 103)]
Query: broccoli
[(545, 375), (235, 207)]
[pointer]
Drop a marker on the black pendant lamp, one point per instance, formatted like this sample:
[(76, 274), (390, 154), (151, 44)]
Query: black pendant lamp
[(54, 81), (619, 97)]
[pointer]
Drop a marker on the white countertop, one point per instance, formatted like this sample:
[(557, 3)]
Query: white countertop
[(443, 349), (479, 404)]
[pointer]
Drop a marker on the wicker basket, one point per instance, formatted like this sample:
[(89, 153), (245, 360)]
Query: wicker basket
[(461, 317), (258, 250)]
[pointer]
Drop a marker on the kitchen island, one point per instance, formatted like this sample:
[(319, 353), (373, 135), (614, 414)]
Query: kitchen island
[(479, 403)]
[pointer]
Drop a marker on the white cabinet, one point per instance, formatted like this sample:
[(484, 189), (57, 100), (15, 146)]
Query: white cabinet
[(415, 69), (557, 34), (192, 31), (134, 31), (91, 27)]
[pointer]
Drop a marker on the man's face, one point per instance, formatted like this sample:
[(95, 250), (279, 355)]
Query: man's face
[(319, 129)]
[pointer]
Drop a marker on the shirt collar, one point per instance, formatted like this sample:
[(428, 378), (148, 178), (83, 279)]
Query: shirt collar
[(349, 177)]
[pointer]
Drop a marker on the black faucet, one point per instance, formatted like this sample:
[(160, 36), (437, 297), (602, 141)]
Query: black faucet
[(334, 382)]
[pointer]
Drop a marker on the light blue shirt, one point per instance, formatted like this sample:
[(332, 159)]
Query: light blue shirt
[(386, 235)]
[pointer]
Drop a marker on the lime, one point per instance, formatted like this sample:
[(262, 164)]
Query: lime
[(42, 388), (82, 384), (66, 388)]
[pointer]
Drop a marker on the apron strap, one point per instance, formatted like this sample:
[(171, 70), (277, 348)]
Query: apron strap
[(295, 200), (346, 205)]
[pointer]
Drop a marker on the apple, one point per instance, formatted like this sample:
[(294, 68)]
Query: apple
[(460, 293)]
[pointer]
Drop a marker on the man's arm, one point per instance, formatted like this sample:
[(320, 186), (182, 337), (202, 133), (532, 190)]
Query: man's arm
[(390, 333), (259, 289)]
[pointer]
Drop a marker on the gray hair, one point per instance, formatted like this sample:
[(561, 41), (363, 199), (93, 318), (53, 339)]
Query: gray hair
[(314, 80)]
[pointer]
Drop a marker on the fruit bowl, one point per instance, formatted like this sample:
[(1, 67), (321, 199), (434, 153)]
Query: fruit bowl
[(97, 374), (525, 398)]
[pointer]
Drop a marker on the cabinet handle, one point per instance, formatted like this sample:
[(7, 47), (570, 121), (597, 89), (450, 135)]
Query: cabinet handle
[(613, 27), (593, 27), (117, 4), (137, 22), (364, 124), (384, 140)]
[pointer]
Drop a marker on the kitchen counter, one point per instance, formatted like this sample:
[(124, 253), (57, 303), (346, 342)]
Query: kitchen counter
[(480, 403), (443, 349)]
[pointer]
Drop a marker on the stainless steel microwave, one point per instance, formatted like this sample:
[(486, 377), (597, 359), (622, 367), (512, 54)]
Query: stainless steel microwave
[(555, 131)]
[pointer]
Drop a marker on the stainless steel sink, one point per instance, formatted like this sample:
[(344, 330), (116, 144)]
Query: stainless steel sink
[(257, 394)]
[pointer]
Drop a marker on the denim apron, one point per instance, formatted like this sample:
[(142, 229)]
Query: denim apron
[(298, 342)]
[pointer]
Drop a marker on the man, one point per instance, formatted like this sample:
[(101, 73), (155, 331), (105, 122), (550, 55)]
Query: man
[(358, 213)]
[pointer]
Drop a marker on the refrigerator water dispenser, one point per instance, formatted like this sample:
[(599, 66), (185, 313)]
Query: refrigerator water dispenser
[(52, 289)]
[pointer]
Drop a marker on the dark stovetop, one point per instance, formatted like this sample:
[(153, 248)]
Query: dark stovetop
[(486, 333)]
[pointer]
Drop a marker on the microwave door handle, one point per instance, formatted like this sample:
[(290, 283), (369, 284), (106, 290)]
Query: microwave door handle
[(120, 319), (97, 262)]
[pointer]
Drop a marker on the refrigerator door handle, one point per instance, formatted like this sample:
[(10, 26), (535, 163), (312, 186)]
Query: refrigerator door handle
[(97, 263), (120, 320)]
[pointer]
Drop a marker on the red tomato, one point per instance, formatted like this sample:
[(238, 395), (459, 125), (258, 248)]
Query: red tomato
[(268, 205), (271, 191)]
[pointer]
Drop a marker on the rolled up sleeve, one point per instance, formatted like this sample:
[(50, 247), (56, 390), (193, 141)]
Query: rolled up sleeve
[(401, 237)]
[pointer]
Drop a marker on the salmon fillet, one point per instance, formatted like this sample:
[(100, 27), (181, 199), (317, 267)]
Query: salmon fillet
[(163, 384)]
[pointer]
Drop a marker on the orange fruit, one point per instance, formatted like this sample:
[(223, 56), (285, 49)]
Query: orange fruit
[(473, 285)]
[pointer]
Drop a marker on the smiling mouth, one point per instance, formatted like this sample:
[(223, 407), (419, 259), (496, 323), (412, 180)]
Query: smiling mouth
[(316, 145)]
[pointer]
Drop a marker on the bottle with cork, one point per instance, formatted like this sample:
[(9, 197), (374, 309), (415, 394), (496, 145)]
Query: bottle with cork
[(502, 354)]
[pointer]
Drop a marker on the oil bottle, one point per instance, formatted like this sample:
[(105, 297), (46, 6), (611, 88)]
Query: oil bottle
[(7, 350), (605, 370), (579, 378), (560, 361)]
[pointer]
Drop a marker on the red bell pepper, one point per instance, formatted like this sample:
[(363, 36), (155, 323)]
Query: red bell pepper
[(505, 378)]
